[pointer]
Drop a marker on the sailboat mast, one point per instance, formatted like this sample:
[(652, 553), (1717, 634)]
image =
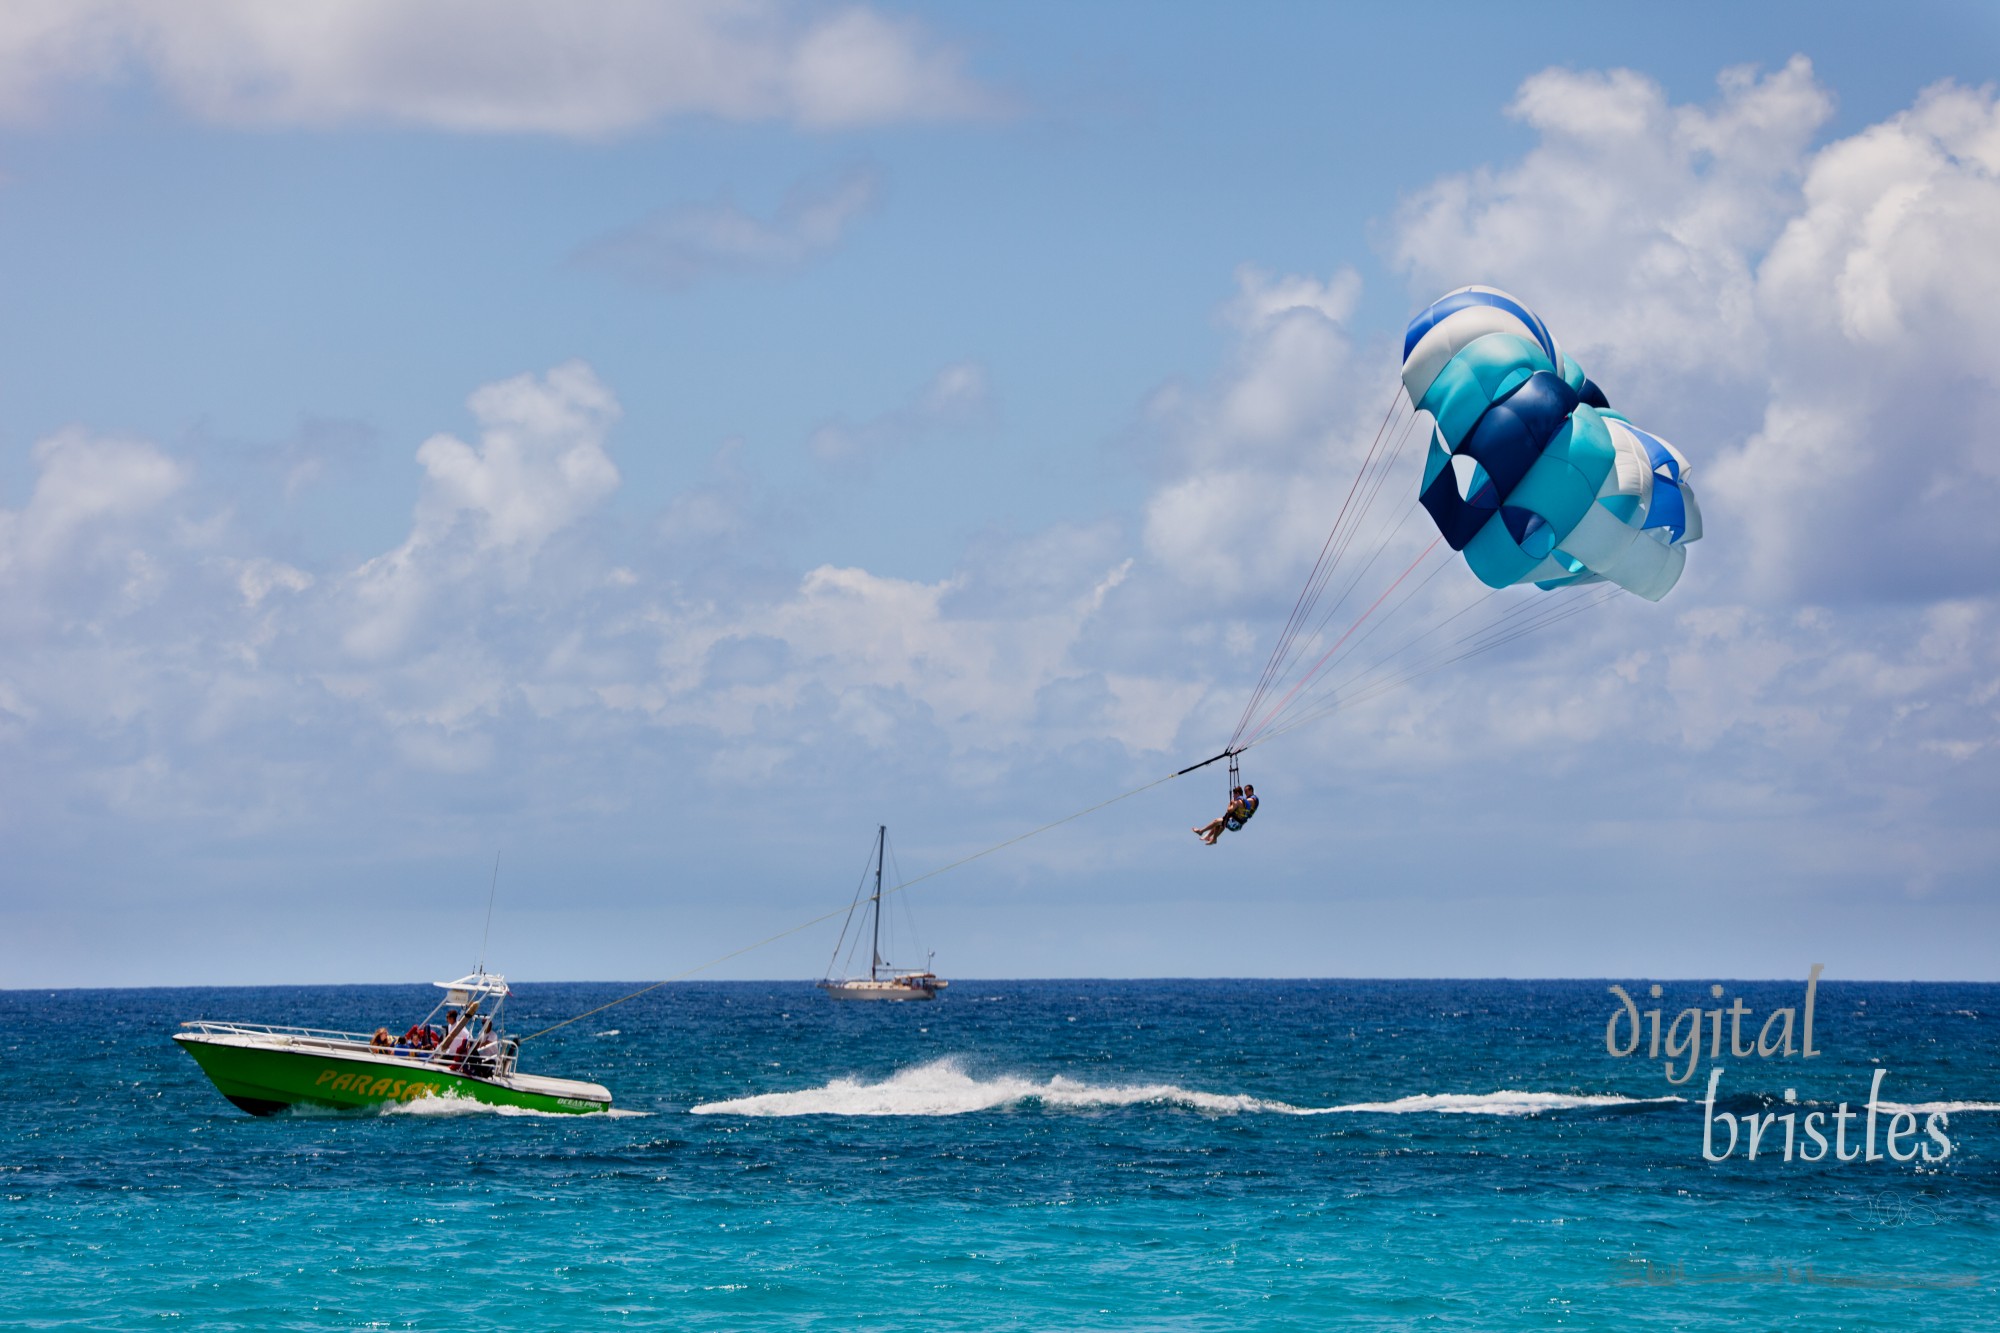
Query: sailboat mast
[(875, 947)]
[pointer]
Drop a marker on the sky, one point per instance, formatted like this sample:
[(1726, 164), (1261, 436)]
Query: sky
[(654, 444)]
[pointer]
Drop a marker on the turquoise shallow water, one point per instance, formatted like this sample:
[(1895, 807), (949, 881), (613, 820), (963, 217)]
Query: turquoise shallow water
[(1162, 1154)]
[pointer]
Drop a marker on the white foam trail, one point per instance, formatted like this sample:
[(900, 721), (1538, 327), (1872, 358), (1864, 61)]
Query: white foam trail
[(1504, 1102), (1949, 1108), (942, 1087), (450, 1103)]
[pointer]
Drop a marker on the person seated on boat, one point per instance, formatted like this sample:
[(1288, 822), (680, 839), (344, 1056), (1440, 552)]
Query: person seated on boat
[(1212, 830), (380, 1041), (485, 1054)]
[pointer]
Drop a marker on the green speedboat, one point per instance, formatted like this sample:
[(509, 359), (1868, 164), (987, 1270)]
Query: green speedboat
[(460, 1049)]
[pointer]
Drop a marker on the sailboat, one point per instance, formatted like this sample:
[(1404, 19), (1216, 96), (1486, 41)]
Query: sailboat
[(883, 982)]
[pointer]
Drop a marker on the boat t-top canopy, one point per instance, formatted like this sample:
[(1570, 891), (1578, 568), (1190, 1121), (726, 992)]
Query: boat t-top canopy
[(478, 984)]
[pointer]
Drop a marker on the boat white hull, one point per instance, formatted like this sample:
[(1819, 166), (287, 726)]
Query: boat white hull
[(883, 990)]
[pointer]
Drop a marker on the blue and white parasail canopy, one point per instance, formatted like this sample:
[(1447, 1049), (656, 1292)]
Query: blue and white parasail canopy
[(1530, 473)]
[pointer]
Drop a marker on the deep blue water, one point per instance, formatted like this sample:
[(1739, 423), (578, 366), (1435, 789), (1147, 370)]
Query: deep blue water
[(1019, 1155)]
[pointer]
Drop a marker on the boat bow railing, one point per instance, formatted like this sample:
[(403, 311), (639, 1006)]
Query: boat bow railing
[(210, 1028)]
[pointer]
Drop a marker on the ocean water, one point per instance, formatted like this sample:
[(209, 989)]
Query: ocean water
[(1018, 1155)]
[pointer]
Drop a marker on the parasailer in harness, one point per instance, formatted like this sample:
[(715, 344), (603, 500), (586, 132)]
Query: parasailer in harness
[(1242, 805), (1232, 818)]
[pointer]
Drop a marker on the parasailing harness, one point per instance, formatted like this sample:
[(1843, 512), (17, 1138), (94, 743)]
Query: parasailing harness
[(1233, 821)]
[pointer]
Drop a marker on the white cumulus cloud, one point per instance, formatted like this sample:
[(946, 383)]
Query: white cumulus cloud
[(486, 509), (86, 481), (1265, 450), (488, 66), (1633, 225)]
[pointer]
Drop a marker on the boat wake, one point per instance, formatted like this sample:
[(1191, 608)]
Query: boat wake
[(1949, 1108), (942, 1087), (451, 1104), (1504, 1102)]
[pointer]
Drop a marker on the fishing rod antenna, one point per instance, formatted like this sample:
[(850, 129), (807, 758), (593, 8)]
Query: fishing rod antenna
[(490, 893)]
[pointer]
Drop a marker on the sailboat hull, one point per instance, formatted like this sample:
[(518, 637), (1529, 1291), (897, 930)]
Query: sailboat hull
[(883, 990)]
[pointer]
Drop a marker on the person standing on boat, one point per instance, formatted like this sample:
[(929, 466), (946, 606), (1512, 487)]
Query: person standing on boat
[(456, 1042)]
